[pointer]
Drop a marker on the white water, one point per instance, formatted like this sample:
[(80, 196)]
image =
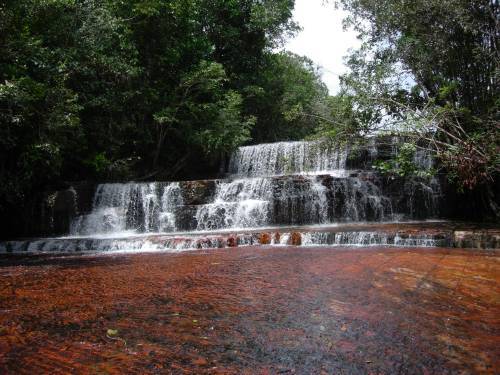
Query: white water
[(286, 158), (241, 203), (136, 207), (270, 185), (285, 183), (174, 243)]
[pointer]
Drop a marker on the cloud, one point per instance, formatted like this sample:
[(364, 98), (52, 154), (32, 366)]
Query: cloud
[(322, 39)]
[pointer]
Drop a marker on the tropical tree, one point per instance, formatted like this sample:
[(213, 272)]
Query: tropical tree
[(429, 69)]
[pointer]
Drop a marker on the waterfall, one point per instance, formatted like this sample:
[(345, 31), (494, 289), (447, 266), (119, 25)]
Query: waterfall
[(238, 204), (133, 207), (335, 236), (170, 200), (285, 184), (286, 158)]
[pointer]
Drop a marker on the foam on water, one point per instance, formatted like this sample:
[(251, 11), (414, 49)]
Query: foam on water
[(193, 241), (270, 185), (285, 158)]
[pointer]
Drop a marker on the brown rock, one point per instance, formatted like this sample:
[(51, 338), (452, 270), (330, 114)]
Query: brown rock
[(277, 237), (295, 239), (264, 238), (200, 362), (232, 242)]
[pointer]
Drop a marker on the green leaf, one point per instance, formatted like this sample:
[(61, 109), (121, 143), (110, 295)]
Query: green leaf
[(112, 332)]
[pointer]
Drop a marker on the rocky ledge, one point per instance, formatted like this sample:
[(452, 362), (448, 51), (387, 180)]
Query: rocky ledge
[(424, 234)]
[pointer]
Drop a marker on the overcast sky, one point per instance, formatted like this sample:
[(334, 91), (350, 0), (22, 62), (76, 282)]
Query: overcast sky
[(322, 39)]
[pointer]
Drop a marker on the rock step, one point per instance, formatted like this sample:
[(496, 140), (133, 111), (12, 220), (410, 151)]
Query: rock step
[(400, 235), (290, 199)]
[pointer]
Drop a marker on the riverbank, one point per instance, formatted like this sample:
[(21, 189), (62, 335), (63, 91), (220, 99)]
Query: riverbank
[(253, 310)]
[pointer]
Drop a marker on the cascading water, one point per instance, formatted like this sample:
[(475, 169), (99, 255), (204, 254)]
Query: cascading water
[(269, 185), (134, 207), (170, 201), (286, 158), (238, 204), (286, 183)]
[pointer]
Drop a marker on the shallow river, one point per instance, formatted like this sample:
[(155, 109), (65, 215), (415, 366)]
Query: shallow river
[(283, 310)]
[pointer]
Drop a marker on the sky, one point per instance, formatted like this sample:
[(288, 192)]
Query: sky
[(322, 39)]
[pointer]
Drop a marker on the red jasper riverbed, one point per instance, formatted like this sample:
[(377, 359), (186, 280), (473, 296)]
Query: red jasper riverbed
[(253, 310)]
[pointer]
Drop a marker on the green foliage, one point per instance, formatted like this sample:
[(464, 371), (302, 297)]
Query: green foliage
[(40, 162), (443, 43), (112, 332), (286, 99), (228, 130), (428, 69), (340, 122), (128, 89), (404, 164), (99, 164)]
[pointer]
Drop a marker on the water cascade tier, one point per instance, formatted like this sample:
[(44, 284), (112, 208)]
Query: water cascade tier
[(268, 185), (286, 183)]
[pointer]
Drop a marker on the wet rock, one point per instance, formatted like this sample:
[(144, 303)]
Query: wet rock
[(247, 239), (232, 242), (295, 239), (198, 192), (477, 239), (265, 238), (267, 318), (186, 217), (200, 362), (55, 210)]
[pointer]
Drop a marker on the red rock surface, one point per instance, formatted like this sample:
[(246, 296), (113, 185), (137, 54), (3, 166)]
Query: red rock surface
[(253, 310), (265, 238), (296, 239)]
